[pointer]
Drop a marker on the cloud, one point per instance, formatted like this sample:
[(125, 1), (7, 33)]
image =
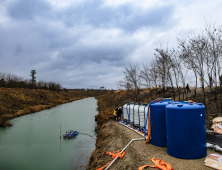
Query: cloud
[(125, 16), (28, 9), (87, 43)]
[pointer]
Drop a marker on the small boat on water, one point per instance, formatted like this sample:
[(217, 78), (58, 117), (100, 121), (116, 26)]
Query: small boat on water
[(70, 134)]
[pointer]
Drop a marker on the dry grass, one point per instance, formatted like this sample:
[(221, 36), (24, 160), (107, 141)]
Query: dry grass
[(15, 102), (108, 102)]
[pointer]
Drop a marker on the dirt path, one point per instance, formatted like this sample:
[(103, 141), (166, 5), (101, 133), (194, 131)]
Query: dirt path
[(115, 137)]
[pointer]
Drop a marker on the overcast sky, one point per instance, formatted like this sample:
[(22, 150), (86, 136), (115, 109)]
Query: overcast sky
[(87, 43)]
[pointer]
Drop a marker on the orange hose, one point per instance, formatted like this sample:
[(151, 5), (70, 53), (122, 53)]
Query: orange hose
[(149, 128), (114, 155), (149, 122), (159, 164)]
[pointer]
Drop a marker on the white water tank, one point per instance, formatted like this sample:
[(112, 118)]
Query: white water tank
[(136, 116), (142, 115), (134, 120), (131, 108), (146, 113), (125, 111)]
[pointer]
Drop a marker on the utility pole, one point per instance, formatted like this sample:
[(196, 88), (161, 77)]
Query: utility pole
[(60, 131), (33, 80)]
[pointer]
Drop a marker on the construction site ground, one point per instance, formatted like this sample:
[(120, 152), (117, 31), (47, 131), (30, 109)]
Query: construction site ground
[(116, 136)]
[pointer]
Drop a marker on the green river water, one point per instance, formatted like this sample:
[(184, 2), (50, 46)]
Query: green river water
[(34, 143)]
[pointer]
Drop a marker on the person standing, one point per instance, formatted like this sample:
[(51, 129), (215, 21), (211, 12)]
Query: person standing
[(119, 113), (188, 88), (115, 114), (220, 78)]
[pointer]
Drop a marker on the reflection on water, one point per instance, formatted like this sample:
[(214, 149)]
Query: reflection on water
[(34, 140)]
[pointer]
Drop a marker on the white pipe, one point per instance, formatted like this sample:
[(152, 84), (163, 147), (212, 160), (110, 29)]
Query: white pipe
[(216, 147), (123, 150), (132, 129), (209, 145)]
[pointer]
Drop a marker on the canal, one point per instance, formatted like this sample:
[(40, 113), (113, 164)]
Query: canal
[(33, 142)]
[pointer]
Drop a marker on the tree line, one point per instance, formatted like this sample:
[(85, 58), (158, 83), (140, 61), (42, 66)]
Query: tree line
[(13, 81), (88, 89), (199, 53)]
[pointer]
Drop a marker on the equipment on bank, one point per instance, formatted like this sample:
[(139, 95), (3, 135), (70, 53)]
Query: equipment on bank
[(70, 134), (179, 126), (186, 130)]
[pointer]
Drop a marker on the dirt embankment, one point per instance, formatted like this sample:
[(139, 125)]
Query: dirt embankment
[(116, 136), (15, 102)]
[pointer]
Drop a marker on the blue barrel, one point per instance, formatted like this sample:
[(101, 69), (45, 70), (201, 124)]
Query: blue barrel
[(166, 100), (158, 123), (186, 130), (184, 102)]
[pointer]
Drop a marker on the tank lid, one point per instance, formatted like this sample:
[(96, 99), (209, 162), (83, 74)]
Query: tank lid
[(175, 103), (161, 103), (185, 106), (167, 99), (186, 102)]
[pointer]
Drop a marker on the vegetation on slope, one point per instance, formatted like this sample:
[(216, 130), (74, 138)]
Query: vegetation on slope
[(15, 102), (108, 102)]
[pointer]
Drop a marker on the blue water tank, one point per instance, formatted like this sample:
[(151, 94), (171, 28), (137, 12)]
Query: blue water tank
[(158, 123), (166, 100), (184, 102), (186, 130)]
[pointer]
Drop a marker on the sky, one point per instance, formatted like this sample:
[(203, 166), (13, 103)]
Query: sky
[(87, 43)]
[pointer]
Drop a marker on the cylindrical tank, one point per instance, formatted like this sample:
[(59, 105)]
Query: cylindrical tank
[(136, 118), (166, 100), (131, 116), (184, 102), (186, 130), (145, 115), (158, 123), (125, 112), (141, 115)]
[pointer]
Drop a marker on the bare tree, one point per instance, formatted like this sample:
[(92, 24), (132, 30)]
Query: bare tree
[(149, 75), (194, 52), (164, 63), (131, 80), (178, 72), (145, 75), (214, 47), (187, 58)]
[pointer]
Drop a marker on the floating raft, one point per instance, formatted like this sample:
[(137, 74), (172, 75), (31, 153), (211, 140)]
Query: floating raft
[(70, 134)]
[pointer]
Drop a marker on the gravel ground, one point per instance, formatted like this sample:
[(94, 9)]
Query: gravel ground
[(116, 136)]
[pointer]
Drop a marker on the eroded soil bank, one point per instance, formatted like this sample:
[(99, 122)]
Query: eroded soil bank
[(15, 102), (115, 137)]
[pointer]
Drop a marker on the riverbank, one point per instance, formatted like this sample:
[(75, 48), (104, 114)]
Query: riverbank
[(116, 136), (16, 102)]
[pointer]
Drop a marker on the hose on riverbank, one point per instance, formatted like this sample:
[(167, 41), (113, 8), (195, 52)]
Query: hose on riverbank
[(123, 151), (87, 135)]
